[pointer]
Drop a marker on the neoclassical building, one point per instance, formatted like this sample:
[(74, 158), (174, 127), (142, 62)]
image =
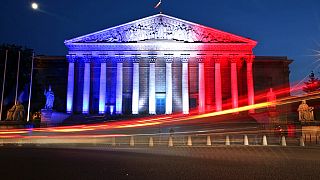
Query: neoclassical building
[(159, 65)]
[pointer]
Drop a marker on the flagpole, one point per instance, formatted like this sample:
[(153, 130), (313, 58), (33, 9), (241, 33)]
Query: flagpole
[(30, 88), (17, 83), (3, 83)]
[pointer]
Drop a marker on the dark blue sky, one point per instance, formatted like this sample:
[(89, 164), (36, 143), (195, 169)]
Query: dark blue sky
[(281, 27)]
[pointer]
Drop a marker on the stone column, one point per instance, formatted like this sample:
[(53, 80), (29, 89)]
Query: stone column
[(185, 85), (70, 89), (152, 85), (86, 85), (217, 78), (201, 92), (135, 86), (169, 60), (103, 84), (119, 85), (234, 82), (250, 86)]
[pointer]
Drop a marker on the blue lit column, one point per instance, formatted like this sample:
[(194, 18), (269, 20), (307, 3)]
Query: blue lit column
[(119, 86), (169, 84), (135, 86), (70, 89), (86, 85), (103, 84), (185, 86), (152, 85), (201, 83)]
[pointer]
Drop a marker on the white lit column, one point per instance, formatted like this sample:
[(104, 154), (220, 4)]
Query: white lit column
[(135, 86), (217, 79), (201, 87), (152, 85), (119, 85), (169, 84), (103, 84), (86, 85), (185, 86), (250, 82), (234, 83), (70, 88)]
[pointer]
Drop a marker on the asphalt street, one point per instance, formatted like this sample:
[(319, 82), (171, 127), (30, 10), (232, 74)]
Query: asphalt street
[(252, 162)]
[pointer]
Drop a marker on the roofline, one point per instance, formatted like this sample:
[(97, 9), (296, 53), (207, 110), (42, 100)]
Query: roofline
[(253, 42)]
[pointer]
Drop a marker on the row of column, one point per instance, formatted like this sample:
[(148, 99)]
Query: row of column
[(152, 93)]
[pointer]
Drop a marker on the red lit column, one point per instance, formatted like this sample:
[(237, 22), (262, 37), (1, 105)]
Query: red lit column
[(250, 82), (201, 80), (234, 82), (217, 79)]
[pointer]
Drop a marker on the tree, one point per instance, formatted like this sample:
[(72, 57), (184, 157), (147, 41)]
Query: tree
[(313, 84)]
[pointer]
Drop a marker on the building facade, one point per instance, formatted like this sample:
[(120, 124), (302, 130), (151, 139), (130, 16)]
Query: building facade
[(159, 65)]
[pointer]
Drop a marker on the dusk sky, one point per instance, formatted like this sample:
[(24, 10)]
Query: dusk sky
[(281, 27)]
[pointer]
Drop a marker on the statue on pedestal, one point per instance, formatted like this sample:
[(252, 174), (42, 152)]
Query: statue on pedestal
[(49, 98), (305, 112), (16, 113)]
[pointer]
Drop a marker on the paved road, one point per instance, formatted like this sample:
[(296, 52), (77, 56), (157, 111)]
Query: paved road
[(159, 163)]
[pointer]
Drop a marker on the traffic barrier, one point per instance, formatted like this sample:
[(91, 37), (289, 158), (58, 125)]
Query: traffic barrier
[(246, 140), (189, 143), (227, 141), (170, 143), (208, 141), (283, 141), (264, 140), (150, 142), (301, 141), (131, 141)]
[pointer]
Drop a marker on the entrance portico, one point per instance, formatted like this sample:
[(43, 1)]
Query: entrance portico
[(158, 57)]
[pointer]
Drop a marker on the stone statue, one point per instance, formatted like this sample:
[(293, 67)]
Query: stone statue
[(16, 113), (271, 97), (49, 98), (305, 112)]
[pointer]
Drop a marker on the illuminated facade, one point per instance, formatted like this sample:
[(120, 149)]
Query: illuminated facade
[(159, 65)]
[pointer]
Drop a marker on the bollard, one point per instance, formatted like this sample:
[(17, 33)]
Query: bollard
[(227, 141), (131, 141), (1, 142), (301, 141), (264, 140), (170, 143), (208, 141), (246, 140), (189, 142), (283, 141), (150, 142), (20, 142), (113, 143)]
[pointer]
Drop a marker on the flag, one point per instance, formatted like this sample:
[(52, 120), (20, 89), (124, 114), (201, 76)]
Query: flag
[(156, 6)]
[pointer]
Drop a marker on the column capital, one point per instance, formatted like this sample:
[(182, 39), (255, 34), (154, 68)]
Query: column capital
[(185, 59), (120, 59), (200, 59), (152, 59), (168, 58), (71, 58), (103, 58), (248, 58), (135, 59), (234, 59), (86, 58)]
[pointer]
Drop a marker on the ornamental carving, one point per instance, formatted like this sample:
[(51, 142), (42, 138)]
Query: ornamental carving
[(160, 27)]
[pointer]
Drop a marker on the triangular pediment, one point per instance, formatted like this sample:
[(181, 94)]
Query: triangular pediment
[(161, 27)]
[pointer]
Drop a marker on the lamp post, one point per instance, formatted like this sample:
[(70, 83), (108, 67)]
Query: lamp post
[(30, 88), (3, 84)]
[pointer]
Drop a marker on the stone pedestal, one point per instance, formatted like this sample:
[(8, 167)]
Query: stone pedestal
[(46, 115)]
